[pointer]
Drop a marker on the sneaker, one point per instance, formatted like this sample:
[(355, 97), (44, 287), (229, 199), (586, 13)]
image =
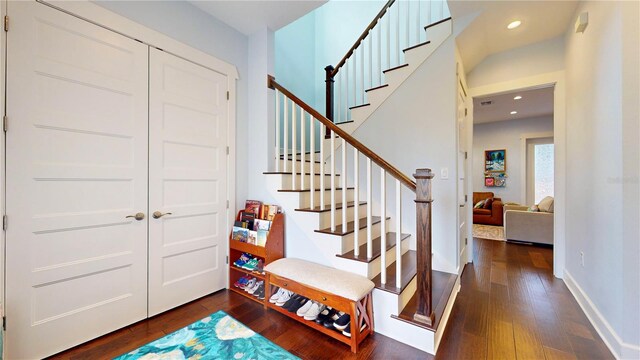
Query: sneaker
[(304, 308), (242, 260), (284, 297), (302, 301), (326, 313), (347, 331), (342, 322), (260, 288), (260, 267), (251, 283), (330, 320), (242, 281), (294, 299), (276, 295), (260, 293), (255, 287), (314, 311), (251, 264)]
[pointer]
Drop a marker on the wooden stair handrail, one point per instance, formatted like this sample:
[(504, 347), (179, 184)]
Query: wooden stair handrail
[(395, 173), (353, 48)]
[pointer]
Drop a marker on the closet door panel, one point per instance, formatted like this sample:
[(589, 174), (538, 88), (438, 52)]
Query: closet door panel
[(187, 181), (77, 151)]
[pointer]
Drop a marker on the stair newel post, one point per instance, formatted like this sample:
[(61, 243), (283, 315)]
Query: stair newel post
[(329, 81), (424, 310)]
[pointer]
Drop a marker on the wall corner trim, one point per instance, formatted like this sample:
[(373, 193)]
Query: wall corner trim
[(619, 348)]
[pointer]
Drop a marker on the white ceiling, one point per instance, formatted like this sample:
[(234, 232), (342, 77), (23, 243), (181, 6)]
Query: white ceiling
[(534, 103), (249, 16), (488, 33)]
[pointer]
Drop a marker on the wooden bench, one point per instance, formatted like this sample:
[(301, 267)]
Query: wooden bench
[(338, 289)]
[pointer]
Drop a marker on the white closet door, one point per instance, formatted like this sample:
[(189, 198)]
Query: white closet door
[(76, 267), (187, 181)]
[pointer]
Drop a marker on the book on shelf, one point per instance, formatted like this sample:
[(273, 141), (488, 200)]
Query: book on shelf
[(270, 211), (262, 238), (248, 217), (260, 224), (253, 237), (253, 206), (240, 234), (242, 224)]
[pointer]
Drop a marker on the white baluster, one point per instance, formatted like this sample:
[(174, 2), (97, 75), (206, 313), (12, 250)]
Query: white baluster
[(388, 48), (379, 26), (293, 145), (398, 33), (338, 113), (362, 70), (408, 22), (356, 202), (312, 155), (346, 91), (355, 75), (398, 234), (322, 185), (277, 156), (343, 177), (333, 181), (303, 149), (418, 23), (383, 227), (370, 59), (285, 121), (369, 210)]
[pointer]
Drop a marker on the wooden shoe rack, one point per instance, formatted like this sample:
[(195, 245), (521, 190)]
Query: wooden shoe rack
[(273, 250)]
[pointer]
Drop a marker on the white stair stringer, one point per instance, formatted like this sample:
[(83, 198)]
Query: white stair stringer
[(436, 35), (386, 304)]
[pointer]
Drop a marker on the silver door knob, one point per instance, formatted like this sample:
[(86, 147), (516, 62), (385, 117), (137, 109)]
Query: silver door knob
[(139, 216), (158, 214)]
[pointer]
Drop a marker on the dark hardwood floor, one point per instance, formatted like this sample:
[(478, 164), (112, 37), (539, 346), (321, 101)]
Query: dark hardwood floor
[(510, 307)]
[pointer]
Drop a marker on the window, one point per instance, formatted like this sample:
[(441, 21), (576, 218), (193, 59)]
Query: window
[(543, 171)]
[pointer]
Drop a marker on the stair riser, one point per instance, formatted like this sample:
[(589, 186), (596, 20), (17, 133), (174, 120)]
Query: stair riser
[(373, 268), (307, 166), (378, 95), (347, 240), (324, 219), (286, 181), (305, 198)]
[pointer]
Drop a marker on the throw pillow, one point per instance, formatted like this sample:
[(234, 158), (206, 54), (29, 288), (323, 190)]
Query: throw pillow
[(488, 203), (546, 204), (479, 204)]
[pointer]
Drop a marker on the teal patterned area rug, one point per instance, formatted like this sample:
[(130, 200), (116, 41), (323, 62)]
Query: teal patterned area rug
[(218, 336)]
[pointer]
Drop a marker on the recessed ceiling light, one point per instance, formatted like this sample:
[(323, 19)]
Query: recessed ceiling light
[(517, 97), (514, 24), (514, 112)]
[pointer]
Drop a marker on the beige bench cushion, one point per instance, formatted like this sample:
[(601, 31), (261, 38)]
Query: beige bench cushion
[(348, 285)]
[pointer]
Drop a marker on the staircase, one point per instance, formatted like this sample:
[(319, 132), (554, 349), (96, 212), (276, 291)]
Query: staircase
[(344, 203)]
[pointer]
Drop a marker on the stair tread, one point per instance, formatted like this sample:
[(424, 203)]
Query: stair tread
[(359, 106), (350, 226), (437, 22), (442, 285), (377, 87), (297, 159), (344, 122), (395, 68), (409, 270), (362, 256), (328, 208), (289, 173), (417, 46), (308, 190)]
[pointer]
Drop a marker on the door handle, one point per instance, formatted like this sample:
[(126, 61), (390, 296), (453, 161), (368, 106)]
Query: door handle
[(158, 214), (139, 216)]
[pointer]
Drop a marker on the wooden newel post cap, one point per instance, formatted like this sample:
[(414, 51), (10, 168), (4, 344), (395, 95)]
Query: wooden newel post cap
[(270, 80), (329, 72), (423, 185)]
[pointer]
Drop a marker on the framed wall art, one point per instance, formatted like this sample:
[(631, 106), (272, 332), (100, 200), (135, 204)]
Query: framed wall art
[(495, 160)]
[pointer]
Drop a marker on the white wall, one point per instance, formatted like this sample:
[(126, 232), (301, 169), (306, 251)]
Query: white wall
[(505, 135), (419, 125), (603, 171), (543, 57), (192, 26)]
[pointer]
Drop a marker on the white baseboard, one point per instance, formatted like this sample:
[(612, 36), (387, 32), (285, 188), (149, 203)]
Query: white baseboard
[(620, 349)]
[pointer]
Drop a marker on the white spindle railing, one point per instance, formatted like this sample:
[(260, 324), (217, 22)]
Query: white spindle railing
[(369, 211), (401, 26), (343, 177), (277, 154), (333, 180), (356, 203), (294, 135), (398, 233), (322, 170), (312, 168), (285, 123)]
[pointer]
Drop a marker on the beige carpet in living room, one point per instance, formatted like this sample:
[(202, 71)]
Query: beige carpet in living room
[(488, 232)]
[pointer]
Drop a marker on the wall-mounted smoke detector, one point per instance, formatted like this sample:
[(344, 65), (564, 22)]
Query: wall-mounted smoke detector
[(486, 102)]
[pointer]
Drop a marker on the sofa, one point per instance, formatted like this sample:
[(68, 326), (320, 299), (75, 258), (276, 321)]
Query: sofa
[(523, 224), (487, 216)]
